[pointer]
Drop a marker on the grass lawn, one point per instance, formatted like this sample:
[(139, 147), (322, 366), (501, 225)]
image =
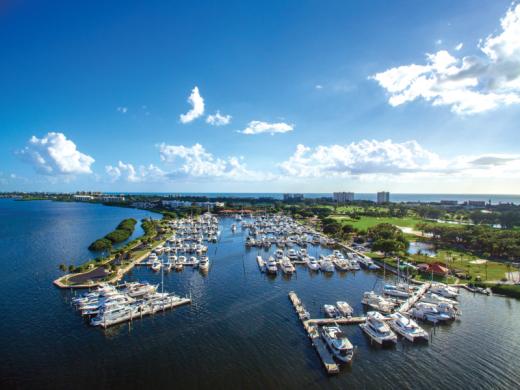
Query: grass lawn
[(364, 223), (461, 262)]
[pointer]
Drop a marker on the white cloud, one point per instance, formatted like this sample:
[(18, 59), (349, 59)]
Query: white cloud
[(384, 159), (438, 42), (122, 110), (318, 86), (258, 127), (54, 154), (132, 174), (195, 162), (218, 119), (459, 46), (468, 85), (197, 106)]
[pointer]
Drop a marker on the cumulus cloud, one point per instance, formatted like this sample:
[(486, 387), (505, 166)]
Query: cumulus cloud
[(54, 154), (195, 162), (372, 158), (197, 106), (468, 85), (459, 46), (318, 86), (127, 171), (258, 127), (122, 110), (218, 119)]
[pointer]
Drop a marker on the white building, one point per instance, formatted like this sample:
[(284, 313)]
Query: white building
[(343, 197), (383, 197), (83, 198)]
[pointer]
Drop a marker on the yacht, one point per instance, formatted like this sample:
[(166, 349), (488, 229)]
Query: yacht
[(179, 264), (326, 265), (366, 262), (331, 311), (191, 261), (399, 291), (444, 290), (272, 266), (234, 228), (279, 254), (338, 342), (204, 263), (377, 302), (313, 264), (428, 312), (407, 328), (376, 328), (292, 255), (436, 299), (344, 308), (354, 265), (137, 290), (286, 265), (156, 265)]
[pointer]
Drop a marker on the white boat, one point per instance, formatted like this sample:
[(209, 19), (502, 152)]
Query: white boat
[(344, 308), (234, 228), (279, 254), (286, 266), (444, 290), (204, 263), (377, 302), (398, 291), (272, 266), (331, 311), (436, 299), (376, 328), (179, 264), (326, 265), (429, 312), (313, 264), (156, 265), (292, 255), (338, 343), (407, 328)]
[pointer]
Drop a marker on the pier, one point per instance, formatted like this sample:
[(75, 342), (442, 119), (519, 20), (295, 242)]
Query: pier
[(407, 305), (312, 331)]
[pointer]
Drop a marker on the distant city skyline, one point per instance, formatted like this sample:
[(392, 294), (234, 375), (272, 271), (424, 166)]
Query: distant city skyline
[(404, 97)]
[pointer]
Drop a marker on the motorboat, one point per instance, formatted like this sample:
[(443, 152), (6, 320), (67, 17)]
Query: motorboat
[(444, 290), (429, 312), (407, 328), (326, 265), (331, 311), (338, 343), (292, 255), (378, 330), (272, 266), (377, 302), (204, 263), (398, 291), (344, 308), (313, 264), (286, 266), (156, 265), (179, 264), (430, 297)]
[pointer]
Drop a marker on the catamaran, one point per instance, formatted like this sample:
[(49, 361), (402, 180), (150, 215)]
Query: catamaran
[(407, 328)]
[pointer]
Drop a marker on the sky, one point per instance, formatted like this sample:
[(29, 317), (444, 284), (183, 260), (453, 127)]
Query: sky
[(260, 96)]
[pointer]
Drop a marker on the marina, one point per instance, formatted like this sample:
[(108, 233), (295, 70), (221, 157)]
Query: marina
[(234, 306)]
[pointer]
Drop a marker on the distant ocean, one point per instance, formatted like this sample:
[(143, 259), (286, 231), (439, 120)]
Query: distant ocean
[(495, 199)]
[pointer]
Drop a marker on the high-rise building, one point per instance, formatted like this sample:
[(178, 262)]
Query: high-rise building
[(383, 197), (343, 197), (293, 197)]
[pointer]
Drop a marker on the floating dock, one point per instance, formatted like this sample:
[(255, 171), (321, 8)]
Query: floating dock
[(148, 310), (312, 331), (407, 305), (261, 263)]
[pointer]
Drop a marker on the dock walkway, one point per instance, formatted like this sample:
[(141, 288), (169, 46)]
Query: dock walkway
[(407, 305), (312, 331)]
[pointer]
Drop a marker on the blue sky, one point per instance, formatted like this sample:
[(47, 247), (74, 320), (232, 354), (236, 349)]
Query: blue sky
[(92, 96)]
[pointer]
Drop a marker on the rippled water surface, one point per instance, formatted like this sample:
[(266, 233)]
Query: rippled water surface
[(240, 332)]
